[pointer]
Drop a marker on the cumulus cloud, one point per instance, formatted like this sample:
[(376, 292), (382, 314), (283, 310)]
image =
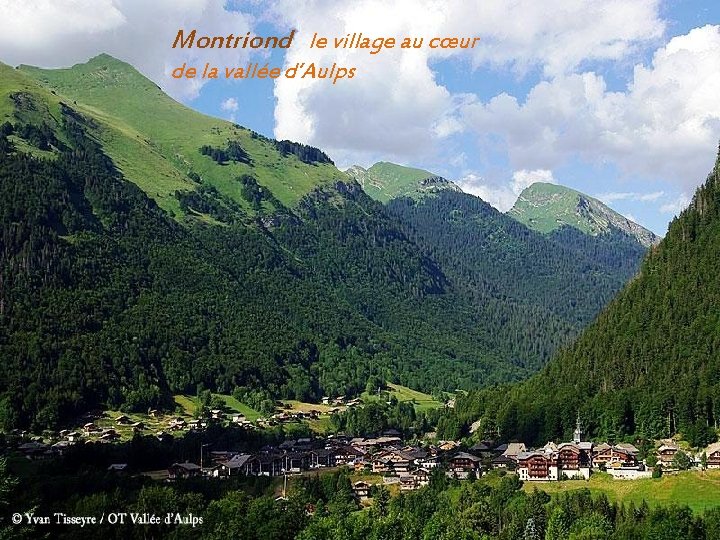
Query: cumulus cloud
[(395, 104), (676, 206), (556, 36), (230, 105), (666, 124), (58, 33), (503, 195)]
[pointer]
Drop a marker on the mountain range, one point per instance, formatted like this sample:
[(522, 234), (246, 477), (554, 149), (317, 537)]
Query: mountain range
[(149, 250)]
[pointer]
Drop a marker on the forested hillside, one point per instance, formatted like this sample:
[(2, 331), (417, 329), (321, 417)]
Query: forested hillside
[(525, 284), (648, 366), (148, 250)]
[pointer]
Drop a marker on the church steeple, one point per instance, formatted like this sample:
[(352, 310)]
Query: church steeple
[(577, 437)]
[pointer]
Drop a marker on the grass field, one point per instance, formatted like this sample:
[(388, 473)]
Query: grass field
[(422, 402), (695, 489), (189, 404)]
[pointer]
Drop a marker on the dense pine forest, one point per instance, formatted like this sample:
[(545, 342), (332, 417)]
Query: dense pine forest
[(647, 367), (525, 283)]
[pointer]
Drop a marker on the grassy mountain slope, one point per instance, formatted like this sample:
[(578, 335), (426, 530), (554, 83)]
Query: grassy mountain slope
[(648, 366), (385, 181), (548, 207), (154, 140)]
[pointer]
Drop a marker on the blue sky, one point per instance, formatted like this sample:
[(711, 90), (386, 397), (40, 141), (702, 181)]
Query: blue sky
[(615, 98)]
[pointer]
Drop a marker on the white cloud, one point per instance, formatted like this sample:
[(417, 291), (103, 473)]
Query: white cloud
[(665, 125), (557, 36), (676, 206), (394, 105), (503, 195), (230, 104), (629, 196), (55, 33), (524, 178)]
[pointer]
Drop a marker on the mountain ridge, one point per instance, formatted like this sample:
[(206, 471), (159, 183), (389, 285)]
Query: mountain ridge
[(384, 181), (546, 207)]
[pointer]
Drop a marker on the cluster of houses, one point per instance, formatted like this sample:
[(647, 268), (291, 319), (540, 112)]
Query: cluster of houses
[(386, 455)]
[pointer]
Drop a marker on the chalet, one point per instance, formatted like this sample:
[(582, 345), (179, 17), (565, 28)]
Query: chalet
[(153, 413), (236, 465), (503, 462), (177, 423), (613, 456), (430, 461), (265, 465), (90, 428), (400, 462), (122, 420), (295, 462), (408, 483), (109, 435), (628, 447), (361, 489), (536, 465), (570, 460), (422, 476), (33, 449), (221, 456), (323, 457), (217, 414), (63, 432), (163, 436), (73, 436), (382, 464), (666, 454), (345, 455), (462, 463), (574, 460), (414, 480), (118, 468), (183, 470), (61, 446), (137, 426), (361, 464), (514, 449), (713, 456), (447, 446), (481, 449), (238, 418)]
